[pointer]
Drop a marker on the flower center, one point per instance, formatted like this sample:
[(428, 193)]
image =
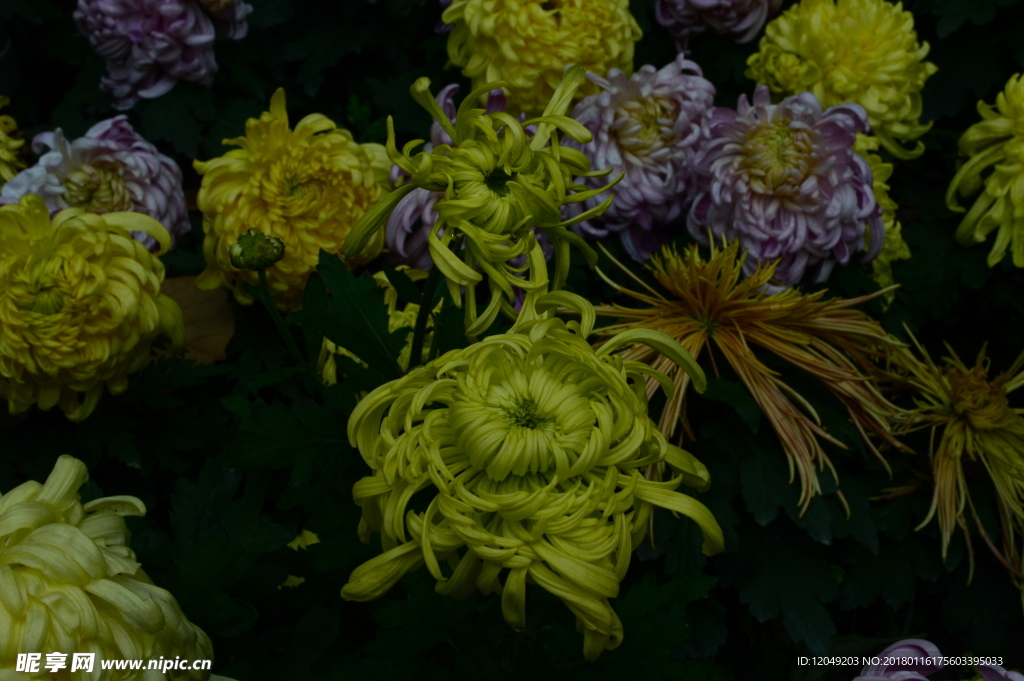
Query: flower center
[(497, 181), (982, 404), (48, 300), (524, 415), (97, 189), (778, 154)]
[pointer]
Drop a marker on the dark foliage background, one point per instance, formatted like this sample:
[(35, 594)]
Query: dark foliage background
[(234, 459)]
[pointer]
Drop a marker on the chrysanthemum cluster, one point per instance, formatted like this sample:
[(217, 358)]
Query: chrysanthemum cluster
[(72, 584), (111, 168), (993, 172), (12, 145), (783, 179), (503, 186), (306, 187), (533, 449), (649, 126), (80, 305), (851, 51), (527, 43), (149, 45), (739, 19)]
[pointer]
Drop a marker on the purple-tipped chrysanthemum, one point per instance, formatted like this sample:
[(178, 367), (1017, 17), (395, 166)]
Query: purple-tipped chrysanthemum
[(740, 19), (650, 126), (407, 229), (918, 658), (992, 672), (785, 181), (110, 169), (149, 45)]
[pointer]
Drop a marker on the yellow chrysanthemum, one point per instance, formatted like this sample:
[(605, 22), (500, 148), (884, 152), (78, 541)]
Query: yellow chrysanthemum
[(502, 185), (971, 422), (71, 584), (12, 146), (862, 51), (532, 449), (996, 142), (404, 318), (711, 305), (80, 304), (894, 247), (527, 43), (306, 187)]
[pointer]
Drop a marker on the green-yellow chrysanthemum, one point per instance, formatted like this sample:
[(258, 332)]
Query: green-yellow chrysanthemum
[(971, 422), (12, 146), (995, 148), (863, 51), (894, 247), (530, 450), (306, 187), (527, 43), (404, 318), (71, 584), (80, 304), (500, 184)]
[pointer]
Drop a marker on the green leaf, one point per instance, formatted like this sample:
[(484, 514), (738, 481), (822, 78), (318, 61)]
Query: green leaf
[(218, 539), (794, 583), (954, 13), (178, 117), (357, 318), (736, 396), (403, 285), (766, 485)]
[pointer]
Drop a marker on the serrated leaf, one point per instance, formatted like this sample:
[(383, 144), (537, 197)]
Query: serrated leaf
[(403, 285), (357, 317), (794, 583), (765, 484)]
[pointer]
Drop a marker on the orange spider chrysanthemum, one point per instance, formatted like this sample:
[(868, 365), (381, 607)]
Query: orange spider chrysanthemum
[(971, 421), (710, 305)]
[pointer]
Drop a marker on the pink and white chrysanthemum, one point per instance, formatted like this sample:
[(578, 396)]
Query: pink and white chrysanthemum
[(785, 181), (110, 169), (650, 126), (149, 45)]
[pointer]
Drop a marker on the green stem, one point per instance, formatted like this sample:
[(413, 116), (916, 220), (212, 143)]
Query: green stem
[(435, 342), (420, 331), (268, 300)]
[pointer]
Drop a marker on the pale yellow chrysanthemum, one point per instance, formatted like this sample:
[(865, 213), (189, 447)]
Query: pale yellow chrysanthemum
[(529, 449), (863, 51), (306, 187), (995, 147), (80, 304), (894, 247), (12, 146), (527, 43), (70, 583), (970, 420), (404, 318)]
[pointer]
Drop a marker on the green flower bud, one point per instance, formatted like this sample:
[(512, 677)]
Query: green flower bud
[(255, 251)]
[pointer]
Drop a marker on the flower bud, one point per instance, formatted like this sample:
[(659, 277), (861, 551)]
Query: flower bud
[(255, 251)]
